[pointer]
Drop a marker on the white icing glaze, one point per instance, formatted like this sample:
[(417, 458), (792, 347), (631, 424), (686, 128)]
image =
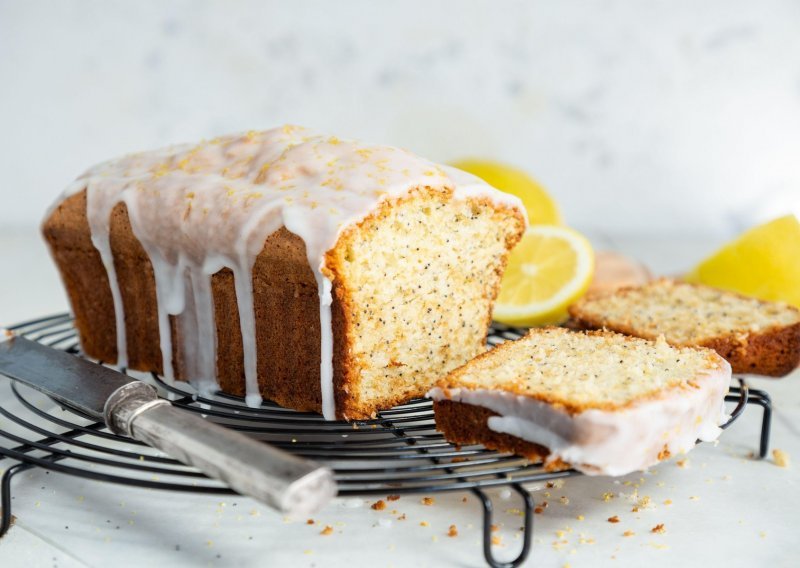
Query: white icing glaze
[(198, 208), (601, 442)]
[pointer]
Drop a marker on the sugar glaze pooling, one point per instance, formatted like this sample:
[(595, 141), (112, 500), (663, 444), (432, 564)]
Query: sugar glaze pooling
[(197, 209)]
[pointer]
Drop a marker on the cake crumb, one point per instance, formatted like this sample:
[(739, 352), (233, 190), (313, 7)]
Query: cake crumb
[(608, 496), (694, 498), (428, 501), (539, 510), (564, 500), (684, 463), (644, 503), (497, 540), (424, 524), (494, 528), (328, 530), (452, 531), (402, 517), (780, 458), (667, 501), (658, 529), (393, 497), (614, 519), (378, 505), (580, 517), (463, 499), (310, 522), (628, 533)]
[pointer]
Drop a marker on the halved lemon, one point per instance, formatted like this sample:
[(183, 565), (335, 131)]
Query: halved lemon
[(541, 208), (547, 271), (763, 262)]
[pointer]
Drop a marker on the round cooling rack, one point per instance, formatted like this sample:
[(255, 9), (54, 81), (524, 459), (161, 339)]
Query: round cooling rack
[(399, 451)]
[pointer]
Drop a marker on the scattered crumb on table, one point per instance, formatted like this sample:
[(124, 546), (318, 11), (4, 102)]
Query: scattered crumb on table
[(780, 458)]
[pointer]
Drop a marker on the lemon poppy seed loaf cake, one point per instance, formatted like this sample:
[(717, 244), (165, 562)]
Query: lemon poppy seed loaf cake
[(601, 402), (325, 274), (755, 336)]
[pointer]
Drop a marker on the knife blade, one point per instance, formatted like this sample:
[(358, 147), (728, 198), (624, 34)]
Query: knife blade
[(132, 408)]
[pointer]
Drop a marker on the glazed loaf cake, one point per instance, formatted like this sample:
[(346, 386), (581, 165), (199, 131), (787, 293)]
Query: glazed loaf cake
[(755, 336), (324, 274), (601, 402)]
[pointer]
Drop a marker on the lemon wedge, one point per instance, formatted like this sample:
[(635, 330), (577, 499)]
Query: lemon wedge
[(763, 262), (547, 271), (541, 208)]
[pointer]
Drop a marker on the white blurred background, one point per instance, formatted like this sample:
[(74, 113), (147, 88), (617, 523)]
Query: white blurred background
[(654, 120)]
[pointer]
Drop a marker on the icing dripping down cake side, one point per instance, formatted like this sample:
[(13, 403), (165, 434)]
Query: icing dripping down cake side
[(324, 274)]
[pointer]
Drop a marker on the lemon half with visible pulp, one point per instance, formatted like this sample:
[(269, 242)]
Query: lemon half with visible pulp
[(764, 262), (548, 270), (541, 208)]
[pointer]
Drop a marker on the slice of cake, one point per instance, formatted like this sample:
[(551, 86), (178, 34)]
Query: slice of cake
[(325, 274), (755, 336), (601, 402)]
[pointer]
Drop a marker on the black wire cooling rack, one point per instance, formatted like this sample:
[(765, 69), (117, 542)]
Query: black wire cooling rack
[(400, 451)]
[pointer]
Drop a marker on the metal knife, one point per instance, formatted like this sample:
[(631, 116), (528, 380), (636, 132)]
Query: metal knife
[(129, 407)]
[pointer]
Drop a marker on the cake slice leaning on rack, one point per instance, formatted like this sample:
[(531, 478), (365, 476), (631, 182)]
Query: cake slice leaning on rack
[(325, 274), (601, 402)]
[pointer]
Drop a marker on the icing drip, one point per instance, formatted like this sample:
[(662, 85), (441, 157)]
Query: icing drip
[(600, 442), (101, 203), (196, 209)]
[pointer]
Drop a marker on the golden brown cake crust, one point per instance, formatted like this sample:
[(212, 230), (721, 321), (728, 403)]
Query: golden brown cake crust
[(772, 351), (286, 305), (466, 424), (285, 297)]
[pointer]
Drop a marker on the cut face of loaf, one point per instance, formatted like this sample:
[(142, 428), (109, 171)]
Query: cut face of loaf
[(755, 336), (413, 287), (601, 402)]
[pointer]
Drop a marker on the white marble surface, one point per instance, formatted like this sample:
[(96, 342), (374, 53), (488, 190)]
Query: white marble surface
[(727, 509), (648, 117)]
